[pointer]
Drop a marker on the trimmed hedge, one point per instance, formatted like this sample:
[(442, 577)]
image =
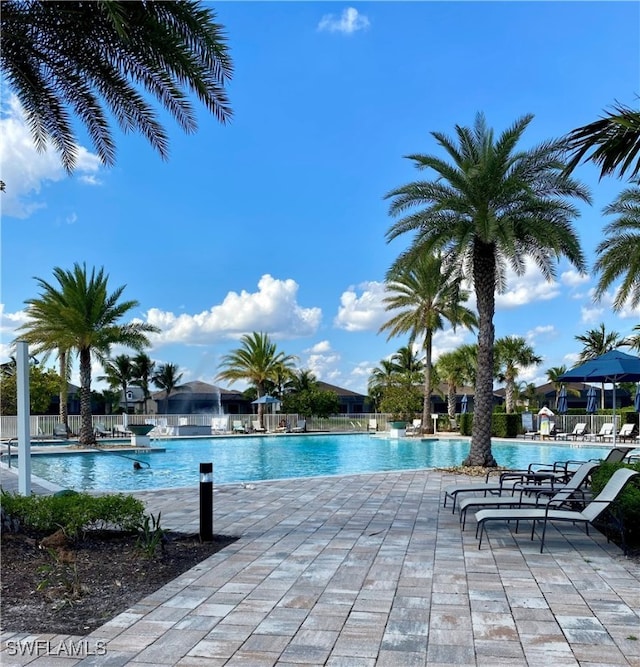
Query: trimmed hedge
[(502, 425), (627, 506)]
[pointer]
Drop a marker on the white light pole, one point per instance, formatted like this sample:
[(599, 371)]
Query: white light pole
[(24, 434)]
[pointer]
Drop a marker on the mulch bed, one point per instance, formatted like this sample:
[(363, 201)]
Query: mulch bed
[(73, 588)]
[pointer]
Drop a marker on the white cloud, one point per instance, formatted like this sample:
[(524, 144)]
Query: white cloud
[(447, 340), (272, 309), (348, 22), (362, 313), (527, 288), (573, 278), (542, 332), (591, 315), (25, 170), (626, 312), (322, 347)]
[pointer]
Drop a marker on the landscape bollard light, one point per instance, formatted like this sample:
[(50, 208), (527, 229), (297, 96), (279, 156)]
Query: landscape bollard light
[(206, 501)]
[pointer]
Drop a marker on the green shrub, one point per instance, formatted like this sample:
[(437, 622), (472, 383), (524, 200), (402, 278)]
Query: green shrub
[(627, 506), (502, 425), (74, 512)]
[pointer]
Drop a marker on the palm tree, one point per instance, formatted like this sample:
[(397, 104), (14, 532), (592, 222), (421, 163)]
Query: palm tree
[(167, 377), (409, 368), (553, 376), (258, 361), (614, 142), (511, 353), (87, 321), (619, 253), (452, 368), (43, 338), (595, 343), (425, 295), (143, 370), (94, 59), (118, 373), (381, 377), (489, 207), (633, 341)]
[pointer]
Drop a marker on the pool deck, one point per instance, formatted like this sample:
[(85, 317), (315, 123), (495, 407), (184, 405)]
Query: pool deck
[(368, 570)]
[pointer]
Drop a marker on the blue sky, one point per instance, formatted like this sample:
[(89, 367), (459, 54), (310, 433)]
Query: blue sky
[(276, 222)]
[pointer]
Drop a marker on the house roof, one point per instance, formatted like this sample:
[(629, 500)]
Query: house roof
[(196, 387), (325, 386)]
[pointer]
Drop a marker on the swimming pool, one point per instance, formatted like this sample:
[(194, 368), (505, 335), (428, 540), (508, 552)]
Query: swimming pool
[(239, 459)]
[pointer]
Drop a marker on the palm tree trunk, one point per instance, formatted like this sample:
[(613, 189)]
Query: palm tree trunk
[(509, 394), (485, 284), (451, 400), (86, 435), (64, 388), (427, 423)]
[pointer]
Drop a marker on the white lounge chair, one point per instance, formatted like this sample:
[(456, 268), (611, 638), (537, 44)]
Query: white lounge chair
[(552, 512), (101, 431), (606, 431), (257, 426), (414, 428), (627, 432), (300, 427), (579, 431), (238, 426), (121, 430), (373, 426)]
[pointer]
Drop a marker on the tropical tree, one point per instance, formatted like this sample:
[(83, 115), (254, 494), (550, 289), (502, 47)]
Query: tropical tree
[(87, 321), (619, 252), (258, 361), (381, 377), (614, 142), (452, 367), (409, 368), (118, 373), (553, 376), (490, 206), (512, 353), (44, 336), (595, 343), (424, 295), (43, 383), (167, 377), (144, 369), (94, 60), (633, 341)]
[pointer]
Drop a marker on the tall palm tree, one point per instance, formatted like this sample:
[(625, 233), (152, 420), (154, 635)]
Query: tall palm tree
[(595, 343), (258, 361), (409, 368), (424, 294), (167, 377), (614, 142), (452, 368), (118, 373), (511, 353), (87, 321), (45, 339), (143, 370), (95, 59), (382, 376), (633, 341), (619, 252), (491, 206)]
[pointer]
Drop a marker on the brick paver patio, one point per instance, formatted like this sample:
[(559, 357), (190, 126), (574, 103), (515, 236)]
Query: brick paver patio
[(368, 570)]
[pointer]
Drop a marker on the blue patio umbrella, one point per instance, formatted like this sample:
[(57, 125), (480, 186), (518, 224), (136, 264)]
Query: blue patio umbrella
[(592, 400), (613, 366), (464, 404), (265, 400), (562, 400)]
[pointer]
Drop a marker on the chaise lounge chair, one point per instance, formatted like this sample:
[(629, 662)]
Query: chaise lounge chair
[(101, 431), (627, 432), (373, 426), (605, 432), (238, 426), (579, 431), (551, 512), (257, 426), (415, 428), (531, 495), (300, 427), (60, 431)]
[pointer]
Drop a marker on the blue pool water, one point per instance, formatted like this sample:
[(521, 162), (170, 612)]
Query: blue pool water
[(238, 459)]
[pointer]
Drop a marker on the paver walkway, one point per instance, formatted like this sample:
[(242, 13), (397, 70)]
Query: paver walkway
[(371, 570)]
